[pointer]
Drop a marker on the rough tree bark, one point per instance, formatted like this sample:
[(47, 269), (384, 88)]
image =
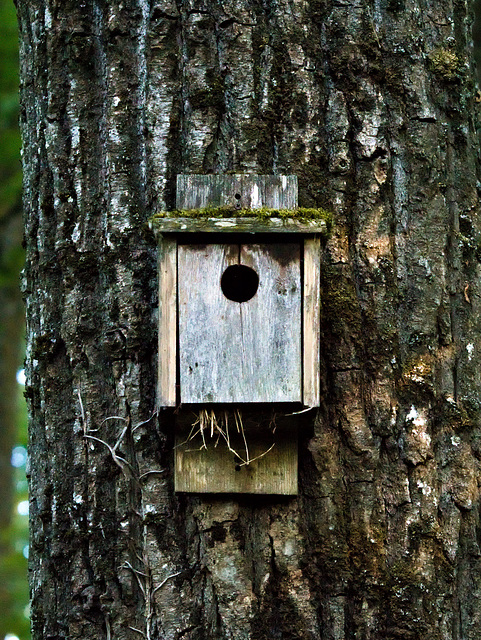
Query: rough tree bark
[(477, 36), (372, 103)]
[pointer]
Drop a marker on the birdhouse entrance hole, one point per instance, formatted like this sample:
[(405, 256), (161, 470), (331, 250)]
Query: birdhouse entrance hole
[(239, 283)]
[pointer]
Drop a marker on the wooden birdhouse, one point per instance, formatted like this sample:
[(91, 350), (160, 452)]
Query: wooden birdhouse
[(238, 303)]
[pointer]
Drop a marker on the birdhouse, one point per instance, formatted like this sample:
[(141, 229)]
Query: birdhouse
[(238, 296)]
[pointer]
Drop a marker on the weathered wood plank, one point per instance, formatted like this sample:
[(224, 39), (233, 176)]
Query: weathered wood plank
[(311, 322), (200, 191), (241, 190), (215, 469), (271, 325), (237, 225), (167, 355), (281, 192), (240, 352)]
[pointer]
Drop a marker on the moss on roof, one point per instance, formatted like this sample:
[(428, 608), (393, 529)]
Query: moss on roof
[(300, 213)]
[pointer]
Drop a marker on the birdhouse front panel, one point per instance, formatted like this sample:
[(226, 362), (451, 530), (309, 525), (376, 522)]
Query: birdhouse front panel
[(240, 322)]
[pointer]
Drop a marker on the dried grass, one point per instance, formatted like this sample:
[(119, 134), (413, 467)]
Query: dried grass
[(217, 427)]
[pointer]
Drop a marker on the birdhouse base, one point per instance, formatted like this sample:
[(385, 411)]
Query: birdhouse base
[(237, 456)]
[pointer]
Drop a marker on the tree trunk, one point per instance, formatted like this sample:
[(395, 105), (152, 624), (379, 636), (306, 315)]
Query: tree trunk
[(373, 105)]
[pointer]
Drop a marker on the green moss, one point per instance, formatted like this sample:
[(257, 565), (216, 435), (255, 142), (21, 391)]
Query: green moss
[(428, 527), (445, 63), (402, 575), (367, 549), (341, 303), (455, 416), (302, 214), (419, 370)]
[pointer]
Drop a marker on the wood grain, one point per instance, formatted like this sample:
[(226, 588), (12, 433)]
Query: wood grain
[(237, 225), (167, 370), (240, 352), (311, 322), (215, 469), (255, 191)]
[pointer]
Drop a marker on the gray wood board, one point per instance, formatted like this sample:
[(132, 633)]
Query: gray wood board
[(167, 370), (311, 320), (255, 191), (237, 225), (215, 469), (240, 352)]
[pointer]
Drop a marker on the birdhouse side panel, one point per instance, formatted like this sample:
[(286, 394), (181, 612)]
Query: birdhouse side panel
[(167, 355)]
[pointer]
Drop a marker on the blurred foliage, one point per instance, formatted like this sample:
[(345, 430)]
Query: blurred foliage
[(13, 429), (10, 172), (14, 595)]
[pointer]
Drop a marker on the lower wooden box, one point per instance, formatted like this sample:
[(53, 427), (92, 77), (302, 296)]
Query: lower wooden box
[(225, 452)]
